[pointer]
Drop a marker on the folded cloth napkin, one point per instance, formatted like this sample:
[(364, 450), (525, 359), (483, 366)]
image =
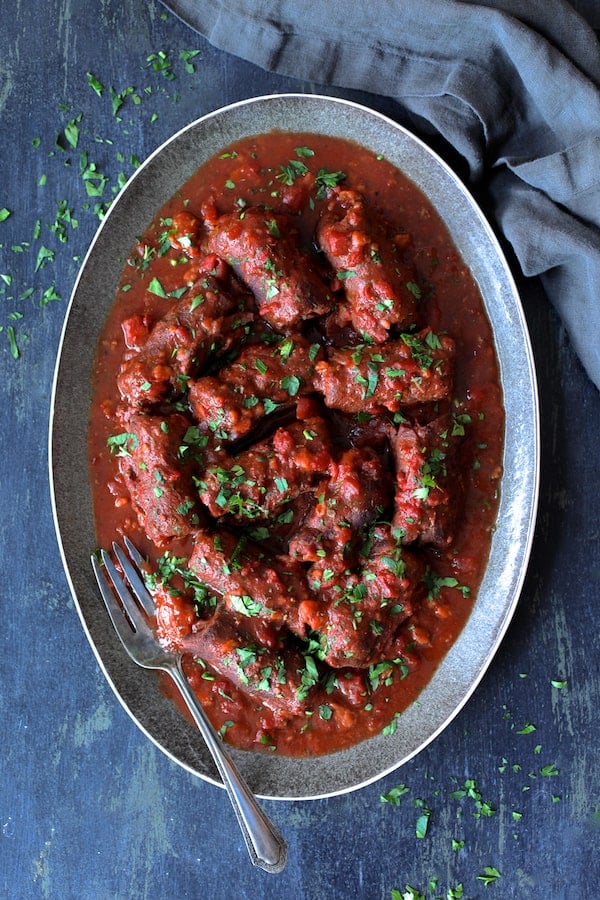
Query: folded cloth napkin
[(513, 87)]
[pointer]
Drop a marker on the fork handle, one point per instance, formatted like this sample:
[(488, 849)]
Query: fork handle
[(266, 846)]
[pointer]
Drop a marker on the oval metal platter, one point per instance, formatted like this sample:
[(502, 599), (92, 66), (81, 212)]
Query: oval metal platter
[(160, 176)]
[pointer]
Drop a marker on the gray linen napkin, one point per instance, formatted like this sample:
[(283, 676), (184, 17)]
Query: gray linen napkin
[(512, 87)]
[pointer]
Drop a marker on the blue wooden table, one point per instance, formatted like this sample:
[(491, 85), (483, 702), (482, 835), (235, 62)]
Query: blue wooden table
[(89, 808)]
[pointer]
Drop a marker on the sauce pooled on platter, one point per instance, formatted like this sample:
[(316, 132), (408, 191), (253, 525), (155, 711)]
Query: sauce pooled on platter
[(297, 417)]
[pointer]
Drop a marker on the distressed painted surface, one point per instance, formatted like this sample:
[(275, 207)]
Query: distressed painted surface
[(88, 807)]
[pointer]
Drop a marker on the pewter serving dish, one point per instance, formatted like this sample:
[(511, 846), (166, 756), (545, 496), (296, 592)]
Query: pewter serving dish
[(154, 183)]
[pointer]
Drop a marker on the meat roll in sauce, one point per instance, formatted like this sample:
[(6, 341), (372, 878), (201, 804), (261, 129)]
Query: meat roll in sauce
[(263, 250), (367, 254), (209, 319)]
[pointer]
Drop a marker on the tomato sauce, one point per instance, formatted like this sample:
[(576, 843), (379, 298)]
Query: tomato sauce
[(291, 175)]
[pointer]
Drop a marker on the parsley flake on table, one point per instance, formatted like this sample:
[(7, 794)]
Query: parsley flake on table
[(394, 795), (422, 823), (528, 728), (410, 893), (490, 875), (94, 83)]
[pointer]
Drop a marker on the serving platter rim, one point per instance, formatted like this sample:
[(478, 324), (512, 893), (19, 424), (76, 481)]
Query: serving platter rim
[(465, 664)]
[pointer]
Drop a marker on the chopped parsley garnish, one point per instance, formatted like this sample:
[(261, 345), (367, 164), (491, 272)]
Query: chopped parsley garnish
[(391, 728), (294, 169), (286, 348), (420, 351), (245, 605), (309, 677), (273, 227), (326, 180), (291, 384), (225, 727), (156, 288), (270, 405), (170, 570), (121, 444), (414, 289), (435, 583)]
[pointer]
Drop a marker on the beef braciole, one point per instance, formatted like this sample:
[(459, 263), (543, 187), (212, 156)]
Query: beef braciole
[(297, 417)]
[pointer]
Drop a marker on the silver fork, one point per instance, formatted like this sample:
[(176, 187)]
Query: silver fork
[(266, 846)]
